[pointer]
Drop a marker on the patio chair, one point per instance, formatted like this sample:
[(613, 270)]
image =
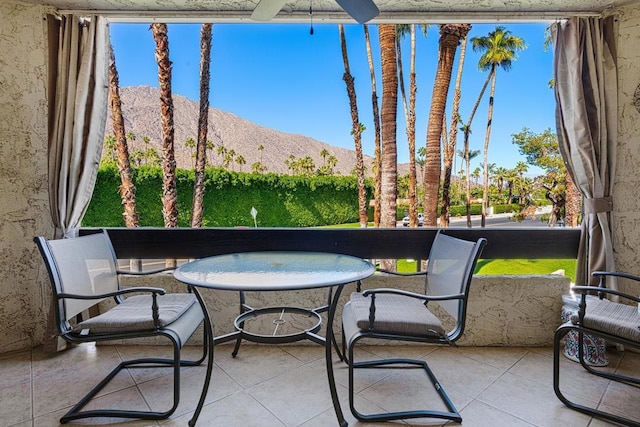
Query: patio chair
[(83, 272), (393, 314), (615, 322)]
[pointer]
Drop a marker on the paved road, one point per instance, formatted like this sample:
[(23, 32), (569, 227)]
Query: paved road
[(497, 220)]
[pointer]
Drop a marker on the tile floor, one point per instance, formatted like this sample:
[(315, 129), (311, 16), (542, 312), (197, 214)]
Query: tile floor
[(268, 385)]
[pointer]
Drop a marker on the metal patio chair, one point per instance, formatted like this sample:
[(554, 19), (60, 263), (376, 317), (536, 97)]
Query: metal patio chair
[(393, 314), (83, 272), (615, 322)]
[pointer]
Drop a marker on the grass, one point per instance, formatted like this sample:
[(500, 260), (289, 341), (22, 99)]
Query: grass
[(511, 266), (499, 266), (526, 266)]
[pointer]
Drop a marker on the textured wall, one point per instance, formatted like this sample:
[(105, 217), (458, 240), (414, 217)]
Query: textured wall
[(24, 205), (626, 214), (502, 311)]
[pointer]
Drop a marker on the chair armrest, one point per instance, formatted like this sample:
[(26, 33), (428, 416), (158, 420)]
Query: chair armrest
[(395, 273), (412, 294), (156, 291), (394, 291), (586, 289), (616, 274), (145, 273)]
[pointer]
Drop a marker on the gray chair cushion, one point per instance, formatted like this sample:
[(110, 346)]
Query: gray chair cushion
[(617, 319), (396, 314), (135, 314)]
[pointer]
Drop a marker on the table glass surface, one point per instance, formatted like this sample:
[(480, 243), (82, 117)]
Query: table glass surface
[(264, 271)]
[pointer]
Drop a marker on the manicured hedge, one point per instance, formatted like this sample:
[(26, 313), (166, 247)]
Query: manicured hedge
[(281, 200)]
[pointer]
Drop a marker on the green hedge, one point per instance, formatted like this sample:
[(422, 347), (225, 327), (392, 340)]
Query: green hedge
[(281, 200)]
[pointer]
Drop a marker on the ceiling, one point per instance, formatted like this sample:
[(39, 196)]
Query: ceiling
[(391, 11)]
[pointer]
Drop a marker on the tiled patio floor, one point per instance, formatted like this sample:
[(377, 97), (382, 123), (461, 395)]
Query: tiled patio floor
[(268, 385)]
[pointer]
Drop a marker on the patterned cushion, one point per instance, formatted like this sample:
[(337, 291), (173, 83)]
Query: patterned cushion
[(396, 314), (617, 319), (135, 314)]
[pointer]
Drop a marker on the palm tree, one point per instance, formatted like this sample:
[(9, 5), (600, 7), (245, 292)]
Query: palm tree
[(499, 50), (356, 130), (240, 160), (127, 187), (169, 187), (324, 153), (260, 149), (467, 156), (388, 116), (377, 165), (450, 146), (410, 115), (203, 125), (501, 175), (110, 155), (190, 143), (450, 37)]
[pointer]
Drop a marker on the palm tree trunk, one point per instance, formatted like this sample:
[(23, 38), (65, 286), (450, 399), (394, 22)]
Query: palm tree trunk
[(203, 124), (356, 130), (450, 147), (127, 187), (377, 166), (485, 186), (169, 187), (388, 116), (449, 40), (169, 191), (410, 118), (467, 132)]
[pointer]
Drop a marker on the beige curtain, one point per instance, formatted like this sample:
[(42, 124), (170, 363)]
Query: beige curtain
[(78, 92), (586, 114)]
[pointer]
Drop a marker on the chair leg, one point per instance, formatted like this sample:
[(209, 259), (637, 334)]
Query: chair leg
[(452, 413), (76, 411), (560, 333)]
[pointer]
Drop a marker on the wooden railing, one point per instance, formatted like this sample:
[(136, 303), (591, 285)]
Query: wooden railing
[(371, 243)]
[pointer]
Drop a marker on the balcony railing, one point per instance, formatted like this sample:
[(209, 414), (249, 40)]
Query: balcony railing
[(370, 243)]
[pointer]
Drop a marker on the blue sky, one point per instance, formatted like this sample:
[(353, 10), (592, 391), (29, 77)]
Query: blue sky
[(280, 76)]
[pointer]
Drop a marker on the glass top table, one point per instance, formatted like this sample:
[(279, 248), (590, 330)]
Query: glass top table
[(274, 271), (277, 271)]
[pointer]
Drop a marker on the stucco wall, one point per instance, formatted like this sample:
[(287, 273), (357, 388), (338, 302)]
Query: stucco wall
[(24, 205), (626, 214), (503, 310)]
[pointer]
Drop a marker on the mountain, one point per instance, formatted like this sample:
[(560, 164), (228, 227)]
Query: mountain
[(141, 111)]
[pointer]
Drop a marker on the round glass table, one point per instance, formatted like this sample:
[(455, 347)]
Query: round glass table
[(277, 271)]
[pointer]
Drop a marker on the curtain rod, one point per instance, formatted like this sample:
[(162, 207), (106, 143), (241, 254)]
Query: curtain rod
[(201, 16)]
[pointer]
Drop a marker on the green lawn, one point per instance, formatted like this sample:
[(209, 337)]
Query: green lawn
[(512, 266), (501, 266)]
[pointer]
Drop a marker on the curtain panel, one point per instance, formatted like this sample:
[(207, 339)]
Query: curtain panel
[(78, 93), (586, 118)]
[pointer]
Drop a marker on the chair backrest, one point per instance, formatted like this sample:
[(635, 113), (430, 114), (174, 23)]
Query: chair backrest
[(450, 269), (83, 265)]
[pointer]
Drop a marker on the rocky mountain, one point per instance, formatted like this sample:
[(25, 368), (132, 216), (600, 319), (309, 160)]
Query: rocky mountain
[(141, 111)]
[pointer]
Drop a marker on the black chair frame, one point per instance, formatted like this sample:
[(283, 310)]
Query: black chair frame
[(449, 339), (66, 331), (583, 330)]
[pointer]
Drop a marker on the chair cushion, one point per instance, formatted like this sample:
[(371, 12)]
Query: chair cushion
[(396, 314), (135, 314), (617, 319)]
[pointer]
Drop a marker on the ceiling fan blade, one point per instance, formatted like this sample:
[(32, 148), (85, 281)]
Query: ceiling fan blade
[(267, 9), (360, 10)]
